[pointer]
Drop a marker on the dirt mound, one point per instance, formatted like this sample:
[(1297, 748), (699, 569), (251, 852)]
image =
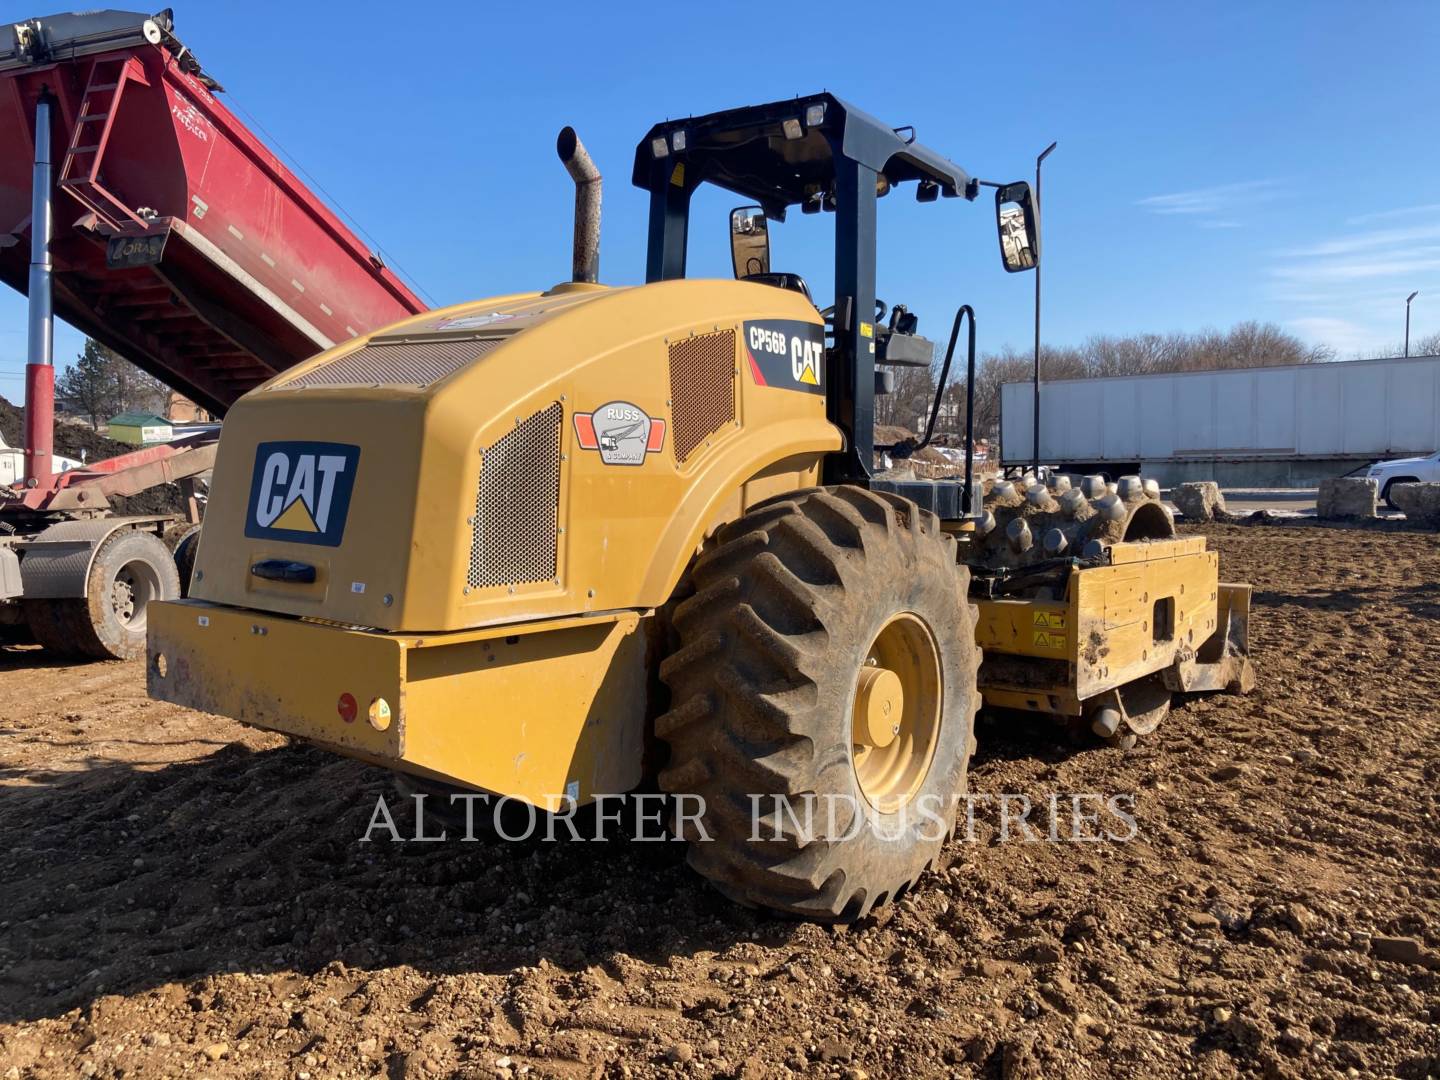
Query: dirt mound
[(75, 439), (930, 462), (184, 895), (887, 434), (11, 423)]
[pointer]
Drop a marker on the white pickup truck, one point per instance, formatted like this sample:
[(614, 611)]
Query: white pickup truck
[(12, 464), (1408, 470)]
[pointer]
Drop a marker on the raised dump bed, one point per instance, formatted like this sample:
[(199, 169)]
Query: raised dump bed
[(135, 206), (180, 240)]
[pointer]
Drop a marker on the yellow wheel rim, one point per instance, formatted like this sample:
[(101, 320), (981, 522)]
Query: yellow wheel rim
[(895, 721)]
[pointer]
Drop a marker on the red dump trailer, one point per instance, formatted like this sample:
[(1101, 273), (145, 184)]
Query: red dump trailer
[(137, 207)]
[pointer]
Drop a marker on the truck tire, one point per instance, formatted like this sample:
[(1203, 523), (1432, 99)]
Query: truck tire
[(14, 630), (1390, 484), (185, 557), (130, 570), (804, 617)]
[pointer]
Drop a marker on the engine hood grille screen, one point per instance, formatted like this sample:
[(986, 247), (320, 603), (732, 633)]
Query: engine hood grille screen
[(702, 387), (517, 506), (401, 363)]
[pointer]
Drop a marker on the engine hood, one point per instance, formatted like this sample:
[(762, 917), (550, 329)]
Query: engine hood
[(1397, 463), (529, 456)]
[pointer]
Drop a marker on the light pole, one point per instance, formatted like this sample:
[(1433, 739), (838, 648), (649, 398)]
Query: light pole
[(1036, 449), (1407, 318)]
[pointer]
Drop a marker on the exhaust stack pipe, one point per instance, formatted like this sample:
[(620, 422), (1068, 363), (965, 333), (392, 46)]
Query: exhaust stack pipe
[(585, 261)]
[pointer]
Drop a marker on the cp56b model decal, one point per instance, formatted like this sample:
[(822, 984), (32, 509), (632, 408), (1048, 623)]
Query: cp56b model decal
[(786, 353), (300, 491), (623, 433)]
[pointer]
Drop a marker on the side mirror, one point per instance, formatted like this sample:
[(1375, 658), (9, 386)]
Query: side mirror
[(1018, 222), (749, 241)]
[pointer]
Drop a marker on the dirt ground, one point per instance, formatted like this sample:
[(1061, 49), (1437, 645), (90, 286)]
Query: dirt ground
[(182, 896)]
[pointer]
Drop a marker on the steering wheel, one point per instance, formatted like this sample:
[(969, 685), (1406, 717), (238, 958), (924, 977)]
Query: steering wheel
[(828, 314)]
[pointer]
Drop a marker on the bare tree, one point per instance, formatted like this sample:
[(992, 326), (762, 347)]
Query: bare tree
[(136, 390), (912, 397), (1429, 345), (1245, 345)]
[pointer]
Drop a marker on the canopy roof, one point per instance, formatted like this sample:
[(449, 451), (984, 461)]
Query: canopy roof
[(750, 152)]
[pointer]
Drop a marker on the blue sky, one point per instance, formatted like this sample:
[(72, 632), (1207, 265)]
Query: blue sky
[(1217, 162)]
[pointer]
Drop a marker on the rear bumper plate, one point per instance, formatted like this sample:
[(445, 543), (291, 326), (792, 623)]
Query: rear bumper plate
[(537, 710)]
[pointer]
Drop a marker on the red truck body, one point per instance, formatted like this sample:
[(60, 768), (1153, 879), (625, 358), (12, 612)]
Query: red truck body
[(134, 205), (180, 240)]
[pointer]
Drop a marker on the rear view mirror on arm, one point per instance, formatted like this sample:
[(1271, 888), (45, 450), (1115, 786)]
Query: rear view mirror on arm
[(1018, 221), (749, 241)]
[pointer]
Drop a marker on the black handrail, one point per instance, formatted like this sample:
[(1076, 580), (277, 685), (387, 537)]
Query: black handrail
[(965, 309)]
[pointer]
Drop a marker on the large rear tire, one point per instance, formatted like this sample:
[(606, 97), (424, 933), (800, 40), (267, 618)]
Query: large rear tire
[(827, 655), (130, 571)]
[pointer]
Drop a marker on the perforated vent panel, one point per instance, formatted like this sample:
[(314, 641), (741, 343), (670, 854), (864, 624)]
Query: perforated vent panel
[(702, 389), (515, 538), (397, 364)]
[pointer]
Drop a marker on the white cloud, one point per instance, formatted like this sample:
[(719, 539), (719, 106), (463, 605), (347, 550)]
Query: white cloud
[(1399, 241), (1349, 290), (1347, 271), (1346, 287), (1343, 335), (1212, 200), (1404, 211), (1372, 296)]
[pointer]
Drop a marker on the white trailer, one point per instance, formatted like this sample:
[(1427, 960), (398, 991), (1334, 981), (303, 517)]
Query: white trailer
[(12, 464), (1274, 426)]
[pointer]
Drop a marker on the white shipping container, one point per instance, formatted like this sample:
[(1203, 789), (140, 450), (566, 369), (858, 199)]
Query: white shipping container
[(1354, 409)]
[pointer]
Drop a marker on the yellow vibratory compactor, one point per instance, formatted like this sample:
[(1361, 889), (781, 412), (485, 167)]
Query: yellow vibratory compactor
[(511, 545)]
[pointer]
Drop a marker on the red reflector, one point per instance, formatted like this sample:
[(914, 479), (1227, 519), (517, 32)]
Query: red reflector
[(657, 437), (585, 431), (347, 708)]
